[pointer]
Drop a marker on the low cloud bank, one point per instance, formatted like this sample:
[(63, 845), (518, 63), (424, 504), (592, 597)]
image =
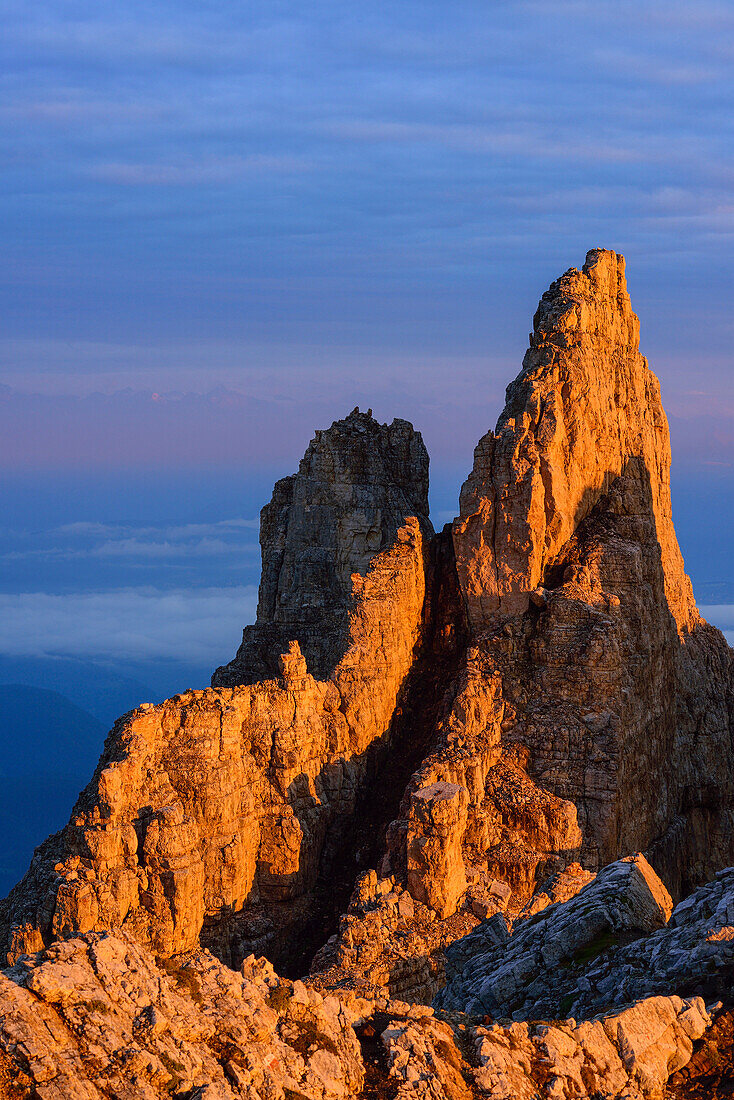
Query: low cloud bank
[(200, 626)]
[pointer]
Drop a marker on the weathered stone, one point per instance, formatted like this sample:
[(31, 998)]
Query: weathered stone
[(356, 485), (522, 976), (629, 1056), (435, 831), (222, 799), (592, 714), (584, 404), (98, 1017), (500, 890), (586, 956)]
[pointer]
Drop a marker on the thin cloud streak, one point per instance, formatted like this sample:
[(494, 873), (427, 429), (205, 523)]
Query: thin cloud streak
[(137, 549), (195, 171), (183, 531), (227, 428)]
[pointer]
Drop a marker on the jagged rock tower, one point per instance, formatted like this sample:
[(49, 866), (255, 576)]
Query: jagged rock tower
[(541, 669), (356, 485), (615, 695), (214, 814)]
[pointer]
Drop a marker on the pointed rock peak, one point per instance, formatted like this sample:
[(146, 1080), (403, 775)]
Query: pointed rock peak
[(343, 435), (583, 406), (592, 301), (602, 264)]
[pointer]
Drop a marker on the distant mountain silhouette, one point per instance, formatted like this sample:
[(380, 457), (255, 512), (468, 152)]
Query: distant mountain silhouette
[(101, 692), (48, 749)]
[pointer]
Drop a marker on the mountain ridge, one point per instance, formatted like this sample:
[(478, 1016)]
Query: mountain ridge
[(453, 726)]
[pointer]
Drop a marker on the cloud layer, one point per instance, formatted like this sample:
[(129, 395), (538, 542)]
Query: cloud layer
[(197, 626), (92, 554)]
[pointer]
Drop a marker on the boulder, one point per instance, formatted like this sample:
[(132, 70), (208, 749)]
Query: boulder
[(522, 977)]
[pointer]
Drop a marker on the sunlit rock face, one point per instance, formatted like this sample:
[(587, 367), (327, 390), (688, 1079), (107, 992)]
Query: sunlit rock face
[(590, 724), (236, 797), (589, 712), (584, 405), (615, 696), (440, 721), (99, 1016)]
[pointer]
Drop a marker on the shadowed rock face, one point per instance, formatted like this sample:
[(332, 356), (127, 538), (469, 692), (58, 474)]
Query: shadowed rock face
[(355, 486), (624, 900), (540, 668)]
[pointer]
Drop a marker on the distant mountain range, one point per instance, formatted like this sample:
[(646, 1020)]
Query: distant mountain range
[(103, 693), (50, 747)]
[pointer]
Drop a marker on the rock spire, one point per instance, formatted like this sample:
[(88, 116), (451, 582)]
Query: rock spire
[(356, 485), (218, 809), (584, 406), (510, 741)]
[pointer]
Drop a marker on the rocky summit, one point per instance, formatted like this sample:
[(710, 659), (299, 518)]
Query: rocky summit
[(455, 821)]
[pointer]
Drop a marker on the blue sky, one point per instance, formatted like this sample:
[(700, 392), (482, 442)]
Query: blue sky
[(225, 225), (197, 192)]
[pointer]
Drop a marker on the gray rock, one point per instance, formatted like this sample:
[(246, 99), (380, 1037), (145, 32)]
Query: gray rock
[(536, 969), (568, 969), (356, 485)]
